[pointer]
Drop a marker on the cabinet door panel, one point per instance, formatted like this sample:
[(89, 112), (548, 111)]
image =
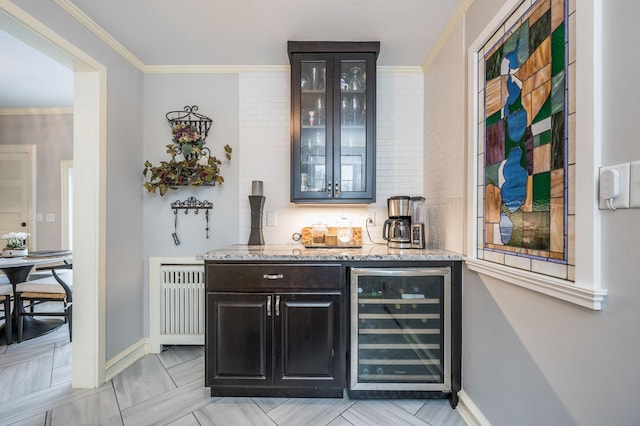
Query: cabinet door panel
[(311, 112), (309, 340), (239, 344)]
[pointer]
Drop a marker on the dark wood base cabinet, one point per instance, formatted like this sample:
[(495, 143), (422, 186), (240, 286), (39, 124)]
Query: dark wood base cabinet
[(275, 330), (281, 329)]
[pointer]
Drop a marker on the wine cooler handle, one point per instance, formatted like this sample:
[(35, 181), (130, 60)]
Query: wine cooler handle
[(277, 306), (268, 306)]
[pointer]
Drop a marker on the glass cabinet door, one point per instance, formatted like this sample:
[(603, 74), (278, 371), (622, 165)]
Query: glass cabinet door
[(353, 126), (313, 127)]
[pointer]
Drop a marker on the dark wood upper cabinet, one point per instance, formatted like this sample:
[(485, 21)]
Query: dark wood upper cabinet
[(333, 117)]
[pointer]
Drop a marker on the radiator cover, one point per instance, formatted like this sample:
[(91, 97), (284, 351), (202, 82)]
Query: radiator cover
[(176, 302)]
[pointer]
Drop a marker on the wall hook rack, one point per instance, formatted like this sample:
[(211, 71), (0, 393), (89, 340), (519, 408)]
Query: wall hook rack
[(186, 205)]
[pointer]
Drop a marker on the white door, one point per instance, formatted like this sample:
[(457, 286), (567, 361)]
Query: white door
[(17, 169)]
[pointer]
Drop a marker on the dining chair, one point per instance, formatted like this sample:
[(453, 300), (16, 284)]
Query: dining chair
[(57, 287), (6, 293)]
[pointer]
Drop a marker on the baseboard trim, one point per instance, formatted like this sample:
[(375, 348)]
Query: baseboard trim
[(470, 412), (126, 358)]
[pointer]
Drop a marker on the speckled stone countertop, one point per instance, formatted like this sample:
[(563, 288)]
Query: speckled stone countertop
[(272, 252)]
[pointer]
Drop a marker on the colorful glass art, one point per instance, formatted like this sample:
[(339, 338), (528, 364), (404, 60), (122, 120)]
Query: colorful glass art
[(526, 136)]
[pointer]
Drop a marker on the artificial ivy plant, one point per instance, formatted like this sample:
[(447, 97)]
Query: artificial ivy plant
[(191, 162)]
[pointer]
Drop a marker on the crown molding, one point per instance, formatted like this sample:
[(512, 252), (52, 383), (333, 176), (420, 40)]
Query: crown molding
[(92, 26), (399, 70), (212, 69), (36, 111)]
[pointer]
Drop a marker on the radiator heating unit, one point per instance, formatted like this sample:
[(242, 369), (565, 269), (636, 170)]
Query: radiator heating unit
[(177, 304)]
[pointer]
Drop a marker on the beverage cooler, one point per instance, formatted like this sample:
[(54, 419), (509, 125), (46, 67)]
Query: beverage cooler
[(400, 340)]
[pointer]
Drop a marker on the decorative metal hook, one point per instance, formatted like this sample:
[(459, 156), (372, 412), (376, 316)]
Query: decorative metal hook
[(191, 203), (196, 205)]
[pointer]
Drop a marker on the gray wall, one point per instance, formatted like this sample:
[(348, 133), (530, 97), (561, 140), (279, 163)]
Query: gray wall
[(216, 96), (530, 359), (52, 134)]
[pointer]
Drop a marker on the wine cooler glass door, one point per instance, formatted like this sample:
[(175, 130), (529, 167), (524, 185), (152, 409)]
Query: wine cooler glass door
[(400, 337)]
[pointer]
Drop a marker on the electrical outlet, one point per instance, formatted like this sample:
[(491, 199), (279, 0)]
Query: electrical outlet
[(371, 219), (622, 200)]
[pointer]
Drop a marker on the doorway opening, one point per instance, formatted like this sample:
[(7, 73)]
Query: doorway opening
[(89, 140)]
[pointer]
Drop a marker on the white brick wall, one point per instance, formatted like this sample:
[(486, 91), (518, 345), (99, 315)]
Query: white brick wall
[(264, 152), (444, 122)]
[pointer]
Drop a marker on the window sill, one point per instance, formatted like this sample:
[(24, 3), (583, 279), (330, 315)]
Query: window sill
[(591, 298)]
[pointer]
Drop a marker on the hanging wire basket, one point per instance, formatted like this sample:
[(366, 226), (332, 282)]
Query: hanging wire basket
[(191, 162), (189, 117)]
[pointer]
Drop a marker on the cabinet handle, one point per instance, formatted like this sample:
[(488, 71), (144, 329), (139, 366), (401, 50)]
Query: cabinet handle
[(268, 306), (329, 189), (336, 188), (277, 306), (273, 276)]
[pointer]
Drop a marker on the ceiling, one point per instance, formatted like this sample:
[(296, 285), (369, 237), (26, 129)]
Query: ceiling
[(216, 32)]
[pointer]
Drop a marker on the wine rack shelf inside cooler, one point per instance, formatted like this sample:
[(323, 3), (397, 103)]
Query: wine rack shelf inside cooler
[(400, 329)]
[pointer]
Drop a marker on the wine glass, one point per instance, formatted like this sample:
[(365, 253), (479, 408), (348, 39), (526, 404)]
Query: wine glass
[(355, 108), (314, 78), (355, 85), (345, 110), (305, 83), (320, 109)]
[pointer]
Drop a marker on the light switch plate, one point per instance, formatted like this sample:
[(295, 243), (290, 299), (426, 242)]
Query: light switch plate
[(272, 218), (634, 185), (622, 201)]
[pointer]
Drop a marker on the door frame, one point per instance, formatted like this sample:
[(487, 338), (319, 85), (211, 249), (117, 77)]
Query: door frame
[(89, 150), (30, 150), (66, 211)]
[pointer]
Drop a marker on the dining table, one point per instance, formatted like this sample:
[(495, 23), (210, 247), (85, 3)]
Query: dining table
[(17, 270)]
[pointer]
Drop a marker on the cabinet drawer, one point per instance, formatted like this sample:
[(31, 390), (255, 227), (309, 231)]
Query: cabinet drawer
[(234, 277)]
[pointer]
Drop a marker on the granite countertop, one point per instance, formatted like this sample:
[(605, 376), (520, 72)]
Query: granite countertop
[(243, 252)]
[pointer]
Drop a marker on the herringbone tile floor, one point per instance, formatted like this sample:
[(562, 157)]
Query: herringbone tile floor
[(168, 389)]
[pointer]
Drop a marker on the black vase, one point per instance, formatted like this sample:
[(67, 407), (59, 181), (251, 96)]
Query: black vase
[(257, 204)]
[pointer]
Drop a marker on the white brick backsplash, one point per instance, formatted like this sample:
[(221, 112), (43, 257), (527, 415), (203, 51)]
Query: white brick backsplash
[(264, 152), (444, 165)]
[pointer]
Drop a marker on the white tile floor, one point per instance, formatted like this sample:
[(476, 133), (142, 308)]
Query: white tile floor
[(168, 389)]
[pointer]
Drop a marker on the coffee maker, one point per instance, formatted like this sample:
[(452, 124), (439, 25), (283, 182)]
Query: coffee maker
[(406, 223), (397, 229)]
